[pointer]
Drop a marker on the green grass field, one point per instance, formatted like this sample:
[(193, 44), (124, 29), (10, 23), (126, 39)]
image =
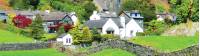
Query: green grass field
[(6, 36), (112, 52), (166, 43), (39, 52)]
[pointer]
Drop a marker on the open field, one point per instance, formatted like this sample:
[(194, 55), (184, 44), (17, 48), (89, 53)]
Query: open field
[(6, 36), (112, 52), (39, 52), (166, 43)]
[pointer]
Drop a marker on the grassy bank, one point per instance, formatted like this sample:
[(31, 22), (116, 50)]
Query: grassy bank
[(166, 43), (112, 52), (39, 52), (6, 36)]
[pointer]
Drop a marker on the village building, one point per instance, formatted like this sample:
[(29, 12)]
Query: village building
[(3, 16), (51, 19), (162, 16), (126, 25), (65, 39)]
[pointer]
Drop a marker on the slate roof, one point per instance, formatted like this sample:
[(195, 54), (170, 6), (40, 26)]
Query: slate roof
[(56, 15), (95, 23), (100, 23), (62, 35)]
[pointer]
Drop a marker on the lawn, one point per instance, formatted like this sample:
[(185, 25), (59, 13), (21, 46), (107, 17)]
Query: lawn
[(166, 43), (112, 52), (39, 52), (6, 36)]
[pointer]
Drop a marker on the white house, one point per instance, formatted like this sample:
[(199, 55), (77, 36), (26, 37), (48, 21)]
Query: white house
[(124, 25), (163, 16), (66, 39)]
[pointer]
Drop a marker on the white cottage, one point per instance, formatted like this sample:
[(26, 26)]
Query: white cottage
[(126, 25), (66, 39)]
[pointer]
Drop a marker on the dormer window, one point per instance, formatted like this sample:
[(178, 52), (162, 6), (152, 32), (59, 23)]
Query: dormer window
[(136, 14)]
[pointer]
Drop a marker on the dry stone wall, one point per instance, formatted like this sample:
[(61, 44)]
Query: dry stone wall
[(23, 46), (140, 50)]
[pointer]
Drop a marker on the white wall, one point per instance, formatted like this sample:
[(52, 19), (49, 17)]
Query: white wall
[(108, 24), (132, 26)]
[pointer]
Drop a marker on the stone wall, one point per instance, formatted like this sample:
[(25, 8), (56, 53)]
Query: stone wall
[(23, 46), (140, 50), (190, 51)]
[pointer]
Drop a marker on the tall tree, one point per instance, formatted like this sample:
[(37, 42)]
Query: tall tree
[(37, 30), (34, 3), (87, 35), (61, 30), (186, 10)]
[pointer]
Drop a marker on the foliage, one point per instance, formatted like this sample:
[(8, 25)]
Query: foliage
[(21, 21), (19, 4), (87, 35), (140, 34), (83, 9), (147, 9), (48, 36), (8, 36), (187, 9), (109, 36), (37, 28), (96, 35), (76, 33), (38, 52), (155, 27), (166, 43), (61, 30), (112, 52)]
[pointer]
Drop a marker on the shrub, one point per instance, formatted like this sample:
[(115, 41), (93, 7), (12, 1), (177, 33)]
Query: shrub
[(140, 34), (109, 36), (155, 27)]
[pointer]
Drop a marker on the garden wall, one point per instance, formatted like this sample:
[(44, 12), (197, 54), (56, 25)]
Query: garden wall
[(23, 46), (141, 50)]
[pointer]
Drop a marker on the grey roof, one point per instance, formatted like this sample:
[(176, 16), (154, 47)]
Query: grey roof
[(100, 23), (95, 23), (62, 35), (55, 15), (127, 13)]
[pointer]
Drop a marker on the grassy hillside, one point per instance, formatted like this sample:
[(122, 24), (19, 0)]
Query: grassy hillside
[(6, 36), (112, 52), (40, 52), (166, 43)]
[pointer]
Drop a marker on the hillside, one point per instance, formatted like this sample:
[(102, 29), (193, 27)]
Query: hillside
[(182, 29)]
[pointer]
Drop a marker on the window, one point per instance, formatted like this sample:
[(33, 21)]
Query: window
[(131, 32), (135, 14), (110, 32), (68, 40)]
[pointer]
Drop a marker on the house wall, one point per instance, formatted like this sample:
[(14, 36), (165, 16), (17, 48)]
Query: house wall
[(108, 24), (134, 27)]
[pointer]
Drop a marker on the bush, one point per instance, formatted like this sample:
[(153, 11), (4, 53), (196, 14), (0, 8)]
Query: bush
[(155, 27), (109, 36), (140, 34)]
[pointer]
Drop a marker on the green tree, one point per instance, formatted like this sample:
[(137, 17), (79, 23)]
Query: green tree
[(147, 9), (96, 35), (76, 33), (37, 30), (61, 30), (185, 10), (155, 27), (89, 8), (87, 35)]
